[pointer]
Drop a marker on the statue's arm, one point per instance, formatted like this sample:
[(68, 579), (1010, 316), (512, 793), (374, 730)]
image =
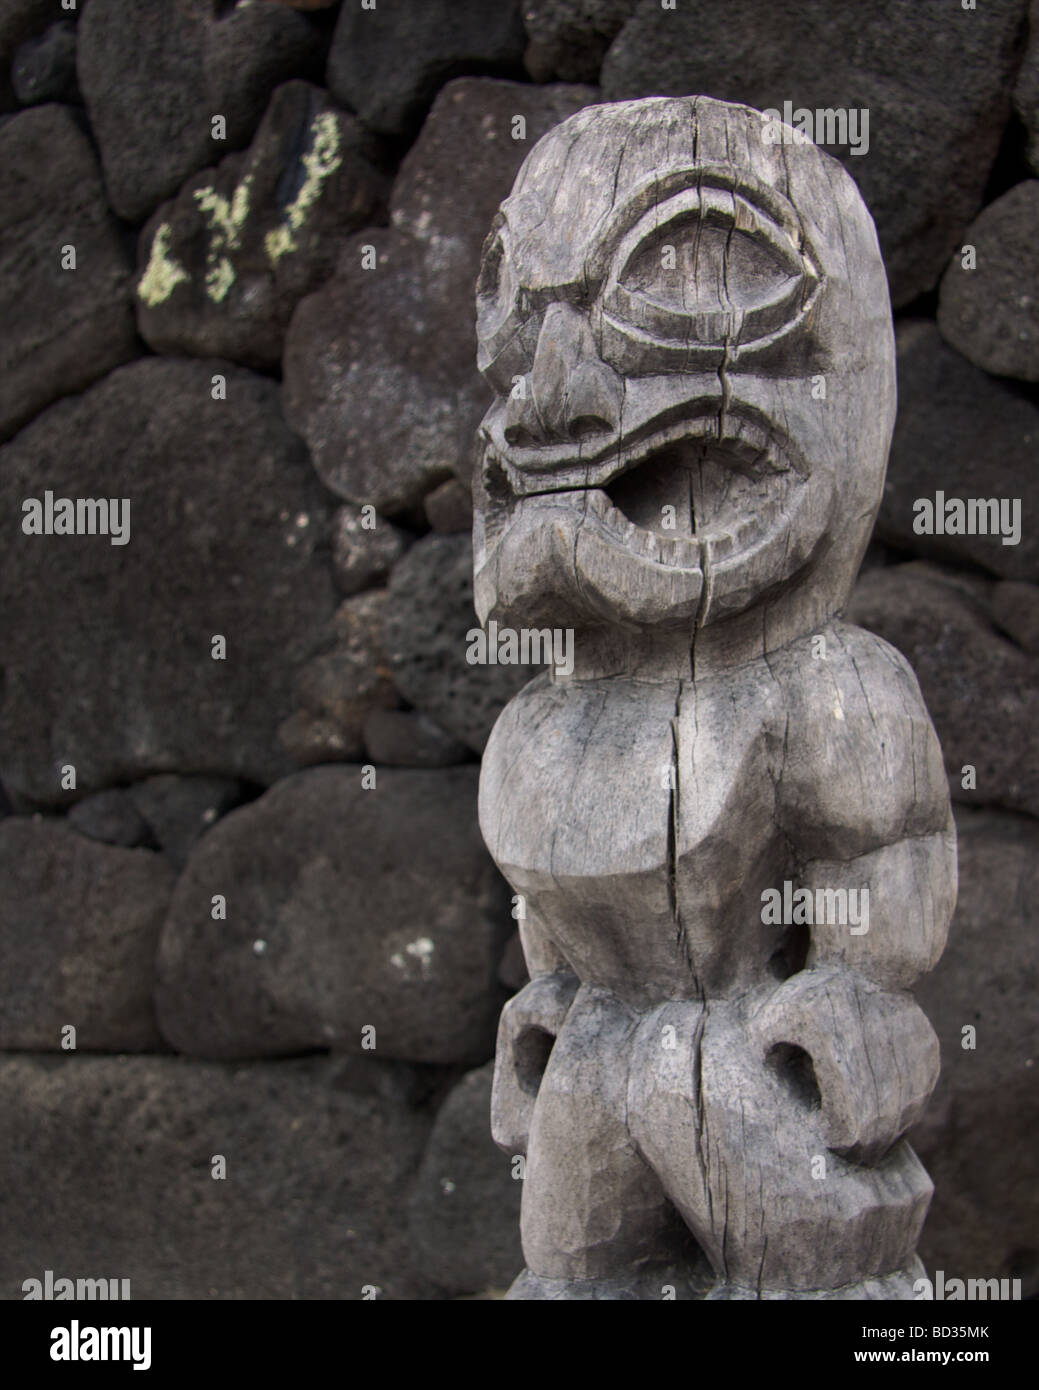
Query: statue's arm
[(529, 1024), (871, 814)]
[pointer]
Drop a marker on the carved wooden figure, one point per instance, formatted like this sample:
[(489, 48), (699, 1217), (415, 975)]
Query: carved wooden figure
[(688, 332)]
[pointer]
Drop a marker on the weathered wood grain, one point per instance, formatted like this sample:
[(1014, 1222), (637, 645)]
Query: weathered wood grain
[(688, 333)]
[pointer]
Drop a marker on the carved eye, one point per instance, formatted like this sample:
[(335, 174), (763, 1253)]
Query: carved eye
[(716, 269), (694, 267), (506, 322)]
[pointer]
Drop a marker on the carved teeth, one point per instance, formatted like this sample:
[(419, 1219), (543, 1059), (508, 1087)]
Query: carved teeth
[(760, 453), (674, 551), (610, 515), (721, 543), (645, 543), (754, 457)]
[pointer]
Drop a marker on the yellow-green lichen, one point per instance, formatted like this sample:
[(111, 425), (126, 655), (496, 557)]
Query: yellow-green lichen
[(322, 159), (279, 242), (162, 274), (219, 278), (226, 219)]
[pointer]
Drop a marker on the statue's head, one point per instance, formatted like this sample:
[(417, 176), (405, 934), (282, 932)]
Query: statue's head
[(687, 329)]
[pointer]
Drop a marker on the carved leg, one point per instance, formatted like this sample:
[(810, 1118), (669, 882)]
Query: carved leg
[(596, 1223), (738, 1140)]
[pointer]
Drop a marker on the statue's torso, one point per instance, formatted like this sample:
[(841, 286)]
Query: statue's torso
[(644, 827), (641, 822)]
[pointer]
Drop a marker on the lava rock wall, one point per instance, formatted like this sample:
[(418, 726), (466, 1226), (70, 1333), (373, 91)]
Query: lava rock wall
[(253, 947)]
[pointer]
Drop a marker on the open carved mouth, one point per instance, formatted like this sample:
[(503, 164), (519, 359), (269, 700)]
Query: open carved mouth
[(679, 493)]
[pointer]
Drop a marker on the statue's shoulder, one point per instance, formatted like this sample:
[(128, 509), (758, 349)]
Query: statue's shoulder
[(847, 673), (858, 764)]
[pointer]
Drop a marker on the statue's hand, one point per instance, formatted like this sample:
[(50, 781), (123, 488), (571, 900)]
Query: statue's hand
[(529, 1024), (874, 1054)]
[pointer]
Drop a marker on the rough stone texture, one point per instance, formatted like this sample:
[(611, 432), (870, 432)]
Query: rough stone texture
[(931, 142), (375, 380), (177, 810), (223, 266), (682, 1058), (79, 929), (111, 1174), (982, 691), (404, 738), (378, 364), (387, 63), (111, 817), (373, 907), (568, 38), (976, 1134), (991, 313), (364, 555), (44, 68), (337, 690), (227, 522), (21, 20), (961, 433), (466, 157), (464, 1208), (1026, 90), (512, 970), (1015, 608), (62, 328), (153, 74), (425, 632), (450, 507), (20, 805)]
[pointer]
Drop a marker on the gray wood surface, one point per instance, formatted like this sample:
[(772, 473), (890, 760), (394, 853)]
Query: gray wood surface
[(688, 332)]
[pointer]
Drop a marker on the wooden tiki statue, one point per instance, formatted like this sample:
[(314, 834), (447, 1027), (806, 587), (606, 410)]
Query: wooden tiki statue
[(728, 825)]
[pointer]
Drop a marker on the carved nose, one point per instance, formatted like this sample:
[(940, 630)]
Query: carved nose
[(570, 393)]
